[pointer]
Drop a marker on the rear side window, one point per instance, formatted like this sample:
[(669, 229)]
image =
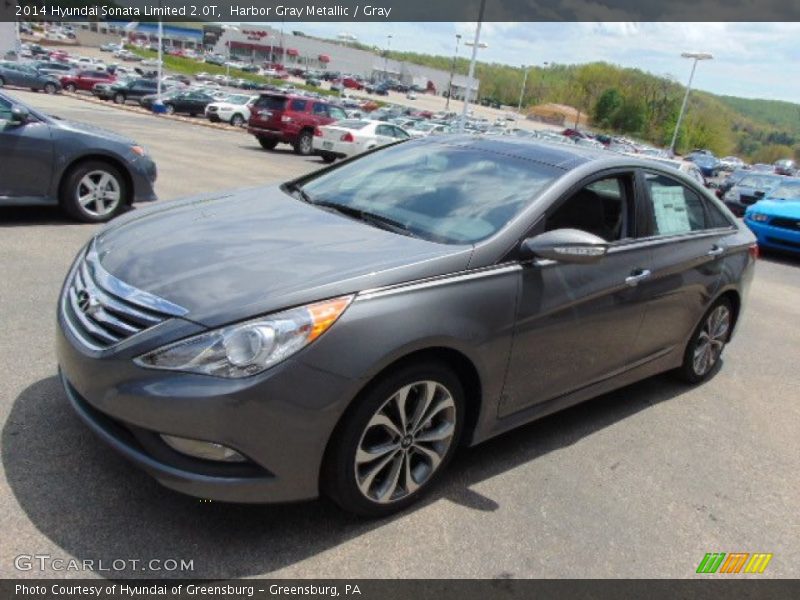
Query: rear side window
[(298, 105), (271, 102), (336, 113), (676, 208), (320, 109)]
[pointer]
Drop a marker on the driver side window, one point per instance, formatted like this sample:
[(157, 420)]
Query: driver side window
[(602, 208), (5, 111)]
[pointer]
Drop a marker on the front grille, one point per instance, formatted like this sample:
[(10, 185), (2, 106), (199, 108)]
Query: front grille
[(785, 223), (102, 310)]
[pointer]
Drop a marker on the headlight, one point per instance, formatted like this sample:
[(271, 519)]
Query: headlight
[(758, 217), (250, 347)]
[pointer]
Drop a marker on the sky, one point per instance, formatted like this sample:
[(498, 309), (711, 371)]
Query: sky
[(751, 60)]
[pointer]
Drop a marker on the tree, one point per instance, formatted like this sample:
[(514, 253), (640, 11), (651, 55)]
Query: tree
[(607, 105)]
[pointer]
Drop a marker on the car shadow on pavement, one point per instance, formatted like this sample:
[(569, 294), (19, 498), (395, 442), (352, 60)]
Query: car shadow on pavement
[(95, 506), (16, 216)]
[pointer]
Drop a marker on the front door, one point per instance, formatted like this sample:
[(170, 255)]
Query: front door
[(577, 324), (26, 156)]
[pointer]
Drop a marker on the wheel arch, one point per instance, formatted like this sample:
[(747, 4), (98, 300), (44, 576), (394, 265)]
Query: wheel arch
[(110, 159), (464, 368)]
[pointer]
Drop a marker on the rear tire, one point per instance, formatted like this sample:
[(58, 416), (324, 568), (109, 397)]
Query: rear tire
[(94, 191), (328, 158), (707, 343), (305, 144), (267, 144), (237, 120), (379, 462), (70, 87)]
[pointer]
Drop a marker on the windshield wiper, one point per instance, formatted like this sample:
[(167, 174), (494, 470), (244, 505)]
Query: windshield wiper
[(375, 219)]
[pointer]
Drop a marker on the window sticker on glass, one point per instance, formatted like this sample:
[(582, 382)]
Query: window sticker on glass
[(671, 211)]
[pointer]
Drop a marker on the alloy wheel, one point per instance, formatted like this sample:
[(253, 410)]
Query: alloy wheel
[(98, 193), (405, 441), (711, 340)]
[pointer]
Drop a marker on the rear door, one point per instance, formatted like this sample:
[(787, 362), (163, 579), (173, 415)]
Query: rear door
[(687, 237), (268, 110)]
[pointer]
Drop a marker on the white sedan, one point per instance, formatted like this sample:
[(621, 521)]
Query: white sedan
[(353, 136), (235, 109)]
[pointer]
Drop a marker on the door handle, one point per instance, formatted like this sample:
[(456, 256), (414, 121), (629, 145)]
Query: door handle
[(716, 251), (634, 279)]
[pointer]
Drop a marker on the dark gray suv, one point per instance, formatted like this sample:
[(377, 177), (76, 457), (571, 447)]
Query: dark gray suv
[(345, 332), (91, 173)]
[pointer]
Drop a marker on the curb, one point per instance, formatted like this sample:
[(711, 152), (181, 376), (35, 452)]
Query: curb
[(143, 111)]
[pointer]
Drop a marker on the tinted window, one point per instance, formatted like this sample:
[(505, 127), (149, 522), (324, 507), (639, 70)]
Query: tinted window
[(676, 208), (298, 105), (600, 208), (386, 130), (271, 102), (400, 134), (715, 216), (320, 109), (444, 194), (336, 113), (5, 109)]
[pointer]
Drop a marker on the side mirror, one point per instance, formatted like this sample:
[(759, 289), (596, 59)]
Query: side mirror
[(19, 115), (565, 245)]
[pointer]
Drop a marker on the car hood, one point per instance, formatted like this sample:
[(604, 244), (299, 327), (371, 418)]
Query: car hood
[(75, 126), (778, 208), (230, 257)]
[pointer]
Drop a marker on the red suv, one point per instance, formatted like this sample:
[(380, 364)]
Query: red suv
[(85, 80), (291, 120)]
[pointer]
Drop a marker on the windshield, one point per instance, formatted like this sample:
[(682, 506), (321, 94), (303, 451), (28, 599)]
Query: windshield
[(441, 193), (754, 181), (238, 99), (352, 124), (786, 191)]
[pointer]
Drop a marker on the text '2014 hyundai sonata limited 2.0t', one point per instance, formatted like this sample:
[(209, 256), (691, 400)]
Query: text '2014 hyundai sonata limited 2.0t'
[(345, 332)]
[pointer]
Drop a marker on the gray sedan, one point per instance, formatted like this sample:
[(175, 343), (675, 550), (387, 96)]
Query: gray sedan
[(27, 76), (346, 332), (92, 174)]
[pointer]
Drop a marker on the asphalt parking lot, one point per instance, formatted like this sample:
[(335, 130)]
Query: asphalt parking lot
[(638, 483)]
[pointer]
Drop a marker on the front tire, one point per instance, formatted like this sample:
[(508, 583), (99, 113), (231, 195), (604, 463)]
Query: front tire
[(398, 438), (94, 192), (119, 98), (328, 158), (707, 343), (237, 120), (70, 87)]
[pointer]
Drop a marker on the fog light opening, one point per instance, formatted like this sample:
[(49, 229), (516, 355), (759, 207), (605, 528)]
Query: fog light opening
[(204, 450)]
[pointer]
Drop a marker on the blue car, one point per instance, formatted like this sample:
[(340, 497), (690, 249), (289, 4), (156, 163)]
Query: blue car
[(775, 220)]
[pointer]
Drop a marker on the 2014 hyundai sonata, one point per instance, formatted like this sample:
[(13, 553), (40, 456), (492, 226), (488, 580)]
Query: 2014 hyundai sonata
[(345, 332)]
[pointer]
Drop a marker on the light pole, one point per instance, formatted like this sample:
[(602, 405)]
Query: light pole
[(386, 58), (228, 53), (522, 91), (697, 56), (476, 43), (452, 72)]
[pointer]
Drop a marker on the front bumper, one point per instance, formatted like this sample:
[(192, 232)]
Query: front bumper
[(280, 420), (143, 176), (779, 238)]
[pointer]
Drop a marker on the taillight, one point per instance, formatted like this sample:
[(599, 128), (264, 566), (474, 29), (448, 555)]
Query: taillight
[(347, 137), (317, 132), (753, 251)]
